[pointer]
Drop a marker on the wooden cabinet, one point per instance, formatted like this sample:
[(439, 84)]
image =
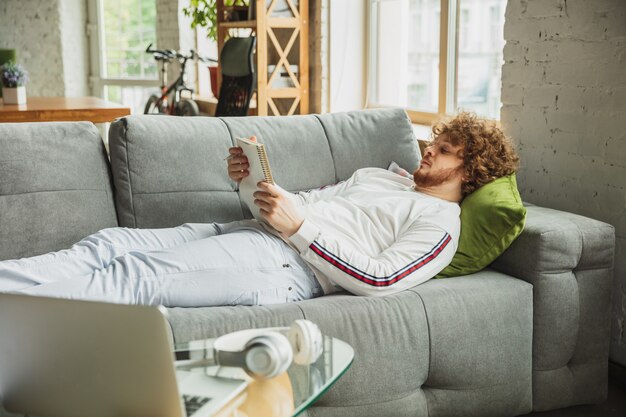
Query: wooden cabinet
[(282, 52)]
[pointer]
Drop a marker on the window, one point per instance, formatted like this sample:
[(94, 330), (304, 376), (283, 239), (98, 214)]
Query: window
[(120, 31), (436, 57)]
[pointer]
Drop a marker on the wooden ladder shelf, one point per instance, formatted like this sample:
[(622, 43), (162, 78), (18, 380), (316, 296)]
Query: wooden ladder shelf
[(282, 30)]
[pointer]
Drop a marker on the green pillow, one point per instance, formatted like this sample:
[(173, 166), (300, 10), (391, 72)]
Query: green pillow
[(491, 218)]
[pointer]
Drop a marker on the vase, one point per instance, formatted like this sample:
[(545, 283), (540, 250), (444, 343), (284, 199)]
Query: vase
[(14, 95)]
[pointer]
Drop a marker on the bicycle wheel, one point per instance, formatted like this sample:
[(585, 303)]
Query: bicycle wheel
[(152, 105), (187, 108)]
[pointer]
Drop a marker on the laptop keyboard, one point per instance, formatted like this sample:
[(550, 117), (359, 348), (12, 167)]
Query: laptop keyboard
[(193, 403)]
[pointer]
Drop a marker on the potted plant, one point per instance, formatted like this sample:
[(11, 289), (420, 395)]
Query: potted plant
[(203, 13), (14, 79)]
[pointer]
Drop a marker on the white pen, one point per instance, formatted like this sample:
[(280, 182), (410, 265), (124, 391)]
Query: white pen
[(231, 156)]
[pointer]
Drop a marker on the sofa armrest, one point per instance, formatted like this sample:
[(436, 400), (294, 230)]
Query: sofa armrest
[(569, 261)]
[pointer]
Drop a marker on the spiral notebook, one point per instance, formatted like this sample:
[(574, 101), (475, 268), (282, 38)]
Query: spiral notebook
[(259, 171)]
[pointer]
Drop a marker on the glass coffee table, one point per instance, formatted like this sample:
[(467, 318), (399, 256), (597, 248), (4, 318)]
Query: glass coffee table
[(285, 395)]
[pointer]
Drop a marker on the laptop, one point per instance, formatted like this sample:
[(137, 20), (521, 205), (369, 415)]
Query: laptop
[(68, 358)]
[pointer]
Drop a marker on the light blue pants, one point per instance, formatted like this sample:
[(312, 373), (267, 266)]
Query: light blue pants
[(191, 265)]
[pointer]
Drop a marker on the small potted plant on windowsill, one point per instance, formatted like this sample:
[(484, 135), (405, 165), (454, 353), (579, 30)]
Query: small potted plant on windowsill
[(14, 79), (204, 14)]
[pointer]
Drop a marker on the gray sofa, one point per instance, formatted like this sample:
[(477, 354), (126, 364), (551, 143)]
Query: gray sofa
[(529, 333)]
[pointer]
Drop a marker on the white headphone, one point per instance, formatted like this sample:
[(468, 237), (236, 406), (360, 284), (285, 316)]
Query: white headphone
[(266, 353)]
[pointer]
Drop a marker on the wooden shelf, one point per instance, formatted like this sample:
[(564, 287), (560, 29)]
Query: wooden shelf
[(243, 24), (283, 22), (283, 92), (275, 22), (274, 101)]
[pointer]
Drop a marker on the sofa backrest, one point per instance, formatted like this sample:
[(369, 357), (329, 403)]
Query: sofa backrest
[(171, 170), (55, 186)]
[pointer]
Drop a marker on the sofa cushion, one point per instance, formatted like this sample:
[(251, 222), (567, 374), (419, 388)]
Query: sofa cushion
[(492, 217), (480, 329), (171, 170), (297, 148), (370, 138), (428, 350), (55, 186), (208, 322), (366, 323)]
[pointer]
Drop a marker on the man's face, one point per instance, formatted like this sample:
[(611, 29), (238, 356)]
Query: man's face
[(442, 163)]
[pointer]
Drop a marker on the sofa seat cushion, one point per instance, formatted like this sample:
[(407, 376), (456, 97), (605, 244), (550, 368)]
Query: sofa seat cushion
[(480, 344), (208, 322), (434, 346)]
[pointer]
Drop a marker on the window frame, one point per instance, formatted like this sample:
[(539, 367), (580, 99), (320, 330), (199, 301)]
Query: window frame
[(448, 58), (95, 31)]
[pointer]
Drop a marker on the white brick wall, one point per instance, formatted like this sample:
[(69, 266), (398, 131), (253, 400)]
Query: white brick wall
[(50, 40), (74, 41), (33, 29), (564, 103), (174, 32)]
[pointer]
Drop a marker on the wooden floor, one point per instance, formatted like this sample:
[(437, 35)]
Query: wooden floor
[(615, 406)]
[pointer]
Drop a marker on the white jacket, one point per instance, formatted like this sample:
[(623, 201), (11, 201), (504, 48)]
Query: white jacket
[(373, 234)]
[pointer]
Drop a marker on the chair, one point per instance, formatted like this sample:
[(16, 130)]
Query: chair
[(238, 77)]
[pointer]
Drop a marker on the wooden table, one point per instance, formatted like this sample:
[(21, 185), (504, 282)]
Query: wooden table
[(56, 109)]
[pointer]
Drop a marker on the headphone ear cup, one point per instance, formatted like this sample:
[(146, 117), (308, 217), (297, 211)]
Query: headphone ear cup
[(306, 341), (267, 355)]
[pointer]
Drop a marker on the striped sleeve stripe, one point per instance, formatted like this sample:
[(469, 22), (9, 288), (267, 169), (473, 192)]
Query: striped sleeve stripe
[(380, 281)]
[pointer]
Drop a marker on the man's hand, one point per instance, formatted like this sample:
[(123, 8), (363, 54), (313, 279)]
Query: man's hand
[(277, 209), (238, 163)]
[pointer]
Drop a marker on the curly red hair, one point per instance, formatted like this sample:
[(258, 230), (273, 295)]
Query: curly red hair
[(487, 153)]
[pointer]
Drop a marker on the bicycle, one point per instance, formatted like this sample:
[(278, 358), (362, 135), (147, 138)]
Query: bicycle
[(176, 105)]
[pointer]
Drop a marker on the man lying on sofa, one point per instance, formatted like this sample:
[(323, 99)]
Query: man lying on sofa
[(376, 233)]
